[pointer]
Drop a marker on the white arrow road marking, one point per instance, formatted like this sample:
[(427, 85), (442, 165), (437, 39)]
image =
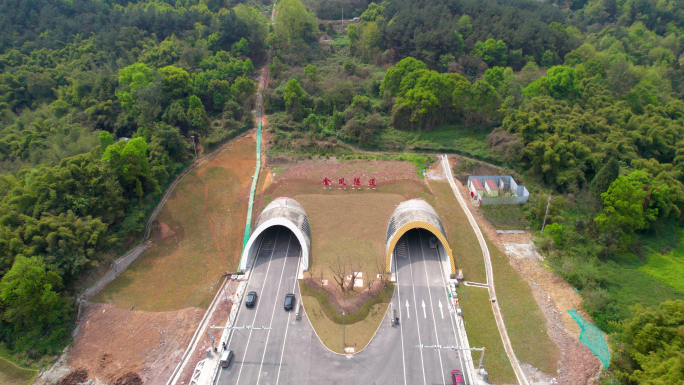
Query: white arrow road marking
[(408, 313), (440, 309), (424, 314)]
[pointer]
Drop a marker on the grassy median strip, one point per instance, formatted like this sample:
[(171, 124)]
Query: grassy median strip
[(482, 332), (525, 322), (462, 239)]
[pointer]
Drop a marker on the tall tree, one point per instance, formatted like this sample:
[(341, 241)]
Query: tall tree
[(294, 24)]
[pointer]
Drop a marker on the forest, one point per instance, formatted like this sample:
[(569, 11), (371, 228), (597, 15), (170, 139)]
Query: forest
[(100, 106), (101, 103)]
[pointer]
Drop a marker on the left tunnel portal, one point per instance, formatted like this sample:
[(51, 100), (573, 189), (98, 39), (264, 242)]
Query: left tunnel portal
[(285, 212)]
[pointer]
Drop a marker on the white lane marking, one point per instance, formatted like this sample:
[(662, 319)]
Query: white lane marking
[(441, 312), (424, 314), (432, 307), (230, 334), (275, 304), (408, 312), (460, 353), (294, 287), (256, 311), (401, 328), (422, 362)]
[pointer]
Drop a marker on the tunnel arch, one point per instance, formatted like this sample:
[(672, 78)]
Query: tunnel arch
[(285, 212), (412, 214)]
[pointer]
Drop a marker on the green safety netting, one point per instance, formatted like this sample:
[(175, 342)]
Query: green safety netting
[(593, 338), (248, 226)]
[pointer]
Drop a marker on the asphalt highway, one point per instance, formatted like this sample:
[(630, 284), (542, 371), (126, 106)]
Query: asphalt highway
[(291, 353)]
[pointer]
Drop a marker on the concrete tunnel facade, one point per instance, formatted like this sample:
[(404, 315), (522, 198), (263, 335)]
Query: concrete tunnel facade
[(285, 212), (412, 214)]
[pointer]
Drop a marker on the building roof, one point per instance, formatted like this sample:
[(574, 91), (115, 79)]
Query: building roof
[(491, 184), (477, 184)]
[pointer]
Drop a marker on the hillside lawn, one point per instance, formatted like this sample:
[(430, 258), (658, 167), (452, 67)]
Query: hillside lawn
[(197, 237)]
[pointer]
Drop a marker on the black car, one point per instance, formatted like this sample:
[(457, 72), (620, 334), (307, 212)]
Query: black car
[(251, 299), (289, 301)]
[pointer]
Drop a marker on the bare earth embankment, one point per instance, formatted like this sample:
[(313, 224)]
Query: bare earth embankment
[(141, 323)]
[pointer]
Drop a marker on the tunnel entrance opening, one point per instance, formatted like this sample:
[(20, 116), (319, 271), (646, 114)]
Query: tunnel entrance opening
[(282, 213), (416, 214), (273, 243)]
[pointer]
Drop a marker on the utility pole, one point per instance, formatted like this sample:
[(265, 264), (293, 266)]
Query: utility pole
[(193, 144), (548, 203)]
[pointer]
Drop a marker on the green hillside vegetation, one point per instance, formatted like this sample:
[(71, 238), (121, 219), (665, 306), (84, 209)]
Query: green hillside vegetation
[(99, 104)]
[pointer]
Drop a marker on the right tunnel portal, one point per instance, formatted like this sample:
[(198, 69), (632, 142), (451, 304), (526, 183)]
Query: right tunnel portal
[(415, 214)]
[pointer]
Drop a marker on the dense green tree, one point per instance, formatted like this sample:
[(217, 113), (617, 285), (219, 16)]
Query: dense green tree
[(176, 81), (623, 211), (33, 309), (493, 52), (294, 96), (294, 24), (603, 179), (128, 160), (651, 345), (464, 26)]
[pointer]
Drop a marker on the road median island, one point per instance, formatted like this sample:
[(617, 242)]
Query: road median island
[(382, 297), (357, 334)]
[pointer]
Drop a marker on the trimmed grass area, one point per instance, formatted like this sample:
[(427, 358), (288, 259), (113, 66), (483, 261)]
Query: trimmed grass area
[(352, 227), (482, 331), (666, 268), (629, 285), (505, 217), (525, 322), (330, 333), (360, 315), (461, 236), (197, 236), (11, 374)]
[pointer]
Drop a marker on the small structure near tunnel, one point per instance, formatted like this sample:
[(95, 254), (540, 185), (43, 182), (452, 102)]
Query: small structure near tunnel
[(412, 214), (497, 190), (285, 212)]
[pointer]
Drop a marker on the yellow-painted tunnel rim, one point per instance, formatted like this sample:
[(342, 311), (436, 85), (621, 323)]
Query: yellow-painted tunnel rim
[(392, 242)]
